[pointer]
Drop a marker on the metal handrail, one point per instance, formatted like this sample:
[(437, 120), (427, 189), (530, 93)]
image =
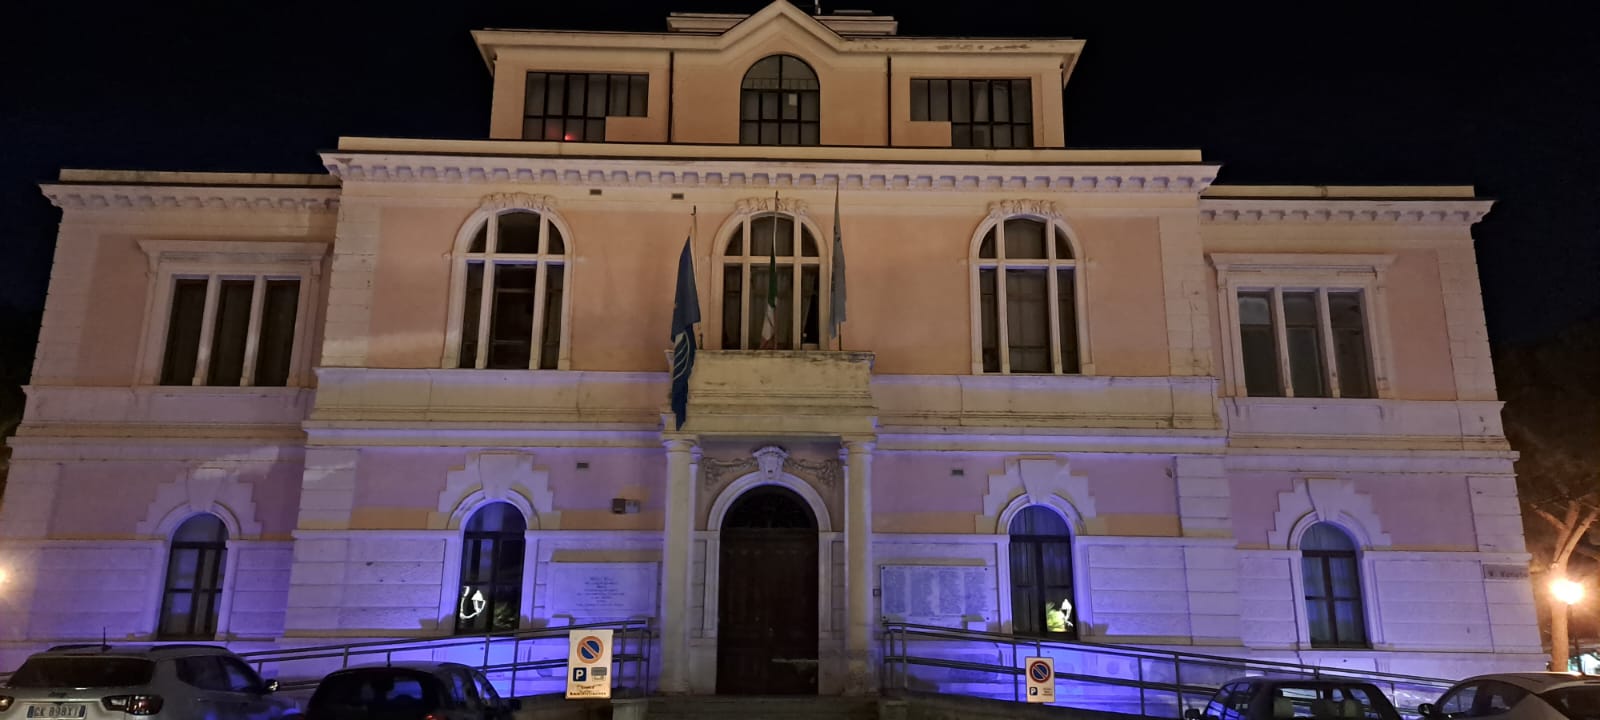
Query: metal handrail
[(898, 660)]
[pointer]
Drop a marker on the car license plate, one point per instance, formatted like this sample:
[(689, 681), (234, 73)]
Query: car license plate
[(57, 710)]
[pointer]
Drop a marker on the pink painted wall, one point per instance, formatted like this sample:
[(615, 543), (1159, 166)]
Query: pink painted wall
[(1127, 297), (112, 329), (123, 494), (1418, 334), (411, 288), (1420, 512), (1129, 485)]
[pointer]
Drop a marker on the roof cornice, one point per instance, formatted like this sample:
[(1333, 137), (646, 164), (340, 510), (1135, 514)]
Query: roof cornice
[(1178, 178), (1409, 211), (97, 196)]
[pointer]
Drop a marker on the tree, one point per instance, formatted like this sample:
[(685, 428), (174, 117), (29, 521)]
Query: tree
[(1552, 417)]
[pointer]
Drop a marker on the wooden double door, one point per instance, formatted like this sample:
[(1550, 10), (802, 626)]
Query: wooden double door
[(767, 597)]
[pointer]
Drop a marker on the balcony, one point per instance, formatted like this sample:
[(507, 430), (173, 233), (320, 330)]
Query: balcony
[(781, 392)]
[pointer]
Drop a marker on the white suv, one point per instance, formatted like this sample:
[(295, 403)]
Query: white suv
[(148, 681)]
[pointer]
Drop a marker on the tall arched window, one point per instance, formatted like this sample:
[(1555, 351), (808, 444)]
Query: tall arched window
[(193, 589), (514, 293), (759, 263), (1333, 588), (779, 103), (1041, 574), (493, 544), (1027, 296)]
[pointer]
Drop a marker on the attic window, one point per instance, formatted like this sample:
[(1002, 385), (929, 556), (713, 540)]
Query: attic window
[(779, 103), (573, 107), (984, 113)]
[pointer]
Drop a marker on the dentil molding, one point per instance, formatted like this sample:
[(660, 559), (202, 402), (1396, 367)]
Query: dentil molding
[(172, 197), (1312, 211)]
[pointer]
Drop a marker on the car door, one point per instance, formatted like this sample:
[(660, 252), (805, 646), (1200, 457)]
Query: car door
[(213, 696), (249, 691), (1482, 699), (498, 708)]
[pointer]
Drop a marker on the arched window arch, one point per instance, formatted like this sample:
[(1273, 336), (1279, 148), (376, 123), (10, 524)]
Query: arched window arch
[(1041, 574), (493, 544), (192, 593), (1332, 577), (780, 103), (1027, 293), (513, 293), (761, 260)]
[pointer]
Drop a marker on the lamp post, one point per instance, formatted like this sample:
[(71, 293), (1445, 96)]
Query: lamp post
[(1569, 593)]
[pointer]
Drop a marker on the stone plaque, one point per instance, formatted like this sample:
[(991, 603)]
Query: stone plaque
[(601, 591), (937, 594), (1505, 572)]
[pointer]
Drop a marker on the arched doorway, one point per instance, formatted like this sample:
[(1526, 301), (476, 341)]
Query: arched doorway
[(767, 595)]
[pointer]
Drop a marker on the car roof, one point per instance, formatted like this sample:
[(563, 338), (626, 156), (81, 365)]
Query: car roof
[(1297, 680), (1538, 682), (145, 651)]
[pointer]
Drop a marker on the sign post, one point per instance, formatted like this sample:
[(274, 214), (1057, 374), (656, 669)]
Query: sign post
[(589, 665), (1041, 672)]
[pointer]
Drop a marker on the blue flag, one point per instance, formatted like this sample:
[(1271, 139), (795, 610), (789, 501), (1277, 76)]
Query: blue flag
[(685, 313)]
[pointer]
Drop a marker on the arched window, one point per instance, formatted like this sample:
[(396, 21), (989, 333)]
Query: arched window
[(779, 103), (493, 544), (760, 264), (1333, 588), (514, 293), (193, 588), (1027, 296), (1041, 574)]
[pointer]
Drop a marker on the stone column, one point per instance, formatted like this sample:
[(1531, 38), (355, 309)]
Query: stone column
[(677, 542), (860, 575)]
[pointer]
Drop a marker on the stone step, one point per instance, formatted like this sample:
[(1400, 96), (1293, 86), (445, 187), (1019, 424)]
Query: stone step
[(767, 708)]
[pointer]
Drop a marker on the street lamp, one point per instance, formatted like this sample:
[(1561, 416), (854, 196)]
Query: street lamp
[(1569, 593)]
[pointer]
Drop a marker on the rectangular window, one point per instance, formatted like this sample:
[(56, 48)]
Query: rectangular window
[(983, 113), (573, 107), (1324, 344), (1028, 320), (230, 331)]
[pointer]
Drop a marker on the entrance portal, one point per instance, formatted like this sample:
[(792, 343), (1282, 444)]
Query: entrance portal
[(767, 596)]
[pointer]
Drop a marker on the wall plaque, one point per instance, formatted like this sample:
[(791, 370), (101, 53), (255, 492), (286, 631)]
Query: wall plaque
[(1505, 572), (937, 594), (601, 591)]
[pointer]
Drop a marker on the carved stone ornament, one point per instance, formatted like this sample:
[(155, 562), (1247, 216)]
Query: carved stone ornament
[(825, 472), (771, 460), (1002, 209), (715, 472), (499, 202), (752, 206)]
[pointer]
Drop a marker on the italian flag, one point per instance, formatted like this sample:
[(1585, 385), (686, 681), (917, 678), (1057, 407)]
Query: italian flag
[(769, 323)]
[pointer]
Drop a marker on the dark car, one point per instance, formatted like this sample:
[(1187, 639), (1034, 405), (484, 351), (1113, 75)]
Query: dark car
[(408, 691), (1267, 698)]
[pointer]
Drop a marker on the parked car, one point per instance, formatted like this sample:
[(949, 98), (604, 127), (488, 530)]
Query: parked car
[(409, 691), (1520, 696), (1270, 698), (148, 681)]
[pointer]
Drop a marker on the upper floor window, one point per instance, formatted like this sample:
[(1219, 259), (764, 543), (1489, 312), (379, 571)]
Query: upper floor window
[(229, 313), (573, 107), (512, 280), (780, 103), (1316, 340), (1303, 325), (773, 285), (982, 113), (1331, 575), (1026, 293)]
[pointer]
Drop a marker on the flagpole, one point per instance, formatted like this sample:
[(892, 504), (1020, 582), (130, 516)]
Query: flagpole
[(694, 235), (832, 311)]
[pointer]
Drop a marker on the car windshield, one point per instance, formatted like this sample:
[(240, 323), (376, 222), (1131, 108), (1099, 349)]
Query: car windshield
[(1579, 703), (1323, 701), (82, 672), (374, 695)]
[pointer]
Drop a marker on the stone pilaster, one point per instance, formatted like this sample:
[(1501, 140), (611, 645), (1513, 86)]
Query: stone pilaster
[(860, 605), (347, 326), (1464, 322), (677, 544)]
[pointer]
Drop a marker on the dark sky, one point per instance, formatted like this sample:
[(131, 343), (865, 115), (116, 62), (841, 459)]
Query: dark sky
[(1408, 92)]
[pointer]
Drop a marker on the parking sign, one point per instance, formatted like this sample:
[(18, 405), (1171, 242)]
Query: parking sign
[(1041, 673), (588, 664)]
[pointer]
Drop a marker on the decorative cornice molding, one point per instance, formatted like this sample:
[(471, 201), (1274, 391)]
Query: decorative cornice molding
[(1002, 209), (753, 206), (170, 197), (500, 202), (768, 174), (1318, 211)]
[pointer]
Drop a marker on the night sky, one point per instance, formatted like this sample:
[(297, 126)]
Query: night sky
[(1360, 93)]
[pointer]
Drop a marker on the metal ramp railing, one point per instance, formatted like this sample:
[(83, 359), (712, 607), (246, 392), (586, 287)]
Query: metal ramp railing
[(1091, 676), (519, 663)]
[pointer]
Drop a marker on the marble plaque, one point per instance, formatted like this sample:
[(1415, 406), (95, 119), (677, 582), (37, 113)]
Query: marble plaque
[(601, 591), (937, 594)]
